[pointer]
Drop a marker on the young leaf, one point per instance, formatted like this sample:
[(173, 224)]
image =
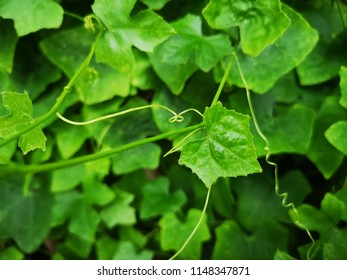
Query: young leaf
[(261, 22), (21, 111), (190, 43), (157, 200), (174, 233), (226, 150), (144, 31), (288, 51)]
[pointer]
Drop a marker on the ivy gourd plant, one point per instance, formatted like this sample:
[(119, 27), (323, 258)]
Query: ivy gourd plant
[(173, 129)]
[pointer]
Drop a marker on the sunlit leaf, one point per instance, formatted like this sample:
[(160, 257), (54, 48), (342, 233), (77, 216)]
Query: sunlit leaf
[(226, 150), (261, 22), (21, 110), (276, 60), (337, 136), (145, 30), (31, 16)]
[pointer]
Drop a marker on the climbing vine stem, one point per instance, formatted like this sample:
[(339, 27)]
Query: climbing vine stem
[(24, 169), (284, 195), (54, 109)]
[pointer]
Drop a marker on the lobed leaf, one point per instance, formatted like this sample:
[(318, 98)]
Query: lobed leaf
[(261, 22), (31, 16), (226, 149), (144, 31), (20, 114), (276, 60), (174, 233)]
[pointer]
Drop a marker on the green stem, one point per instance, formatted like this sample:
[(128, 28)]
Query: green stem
[(283, 195), (54, 109), (23, 169), (222, 83)]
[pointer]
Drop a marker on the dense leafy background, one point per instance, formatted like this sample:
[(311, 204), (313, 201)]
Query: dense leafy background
[(138, 204)]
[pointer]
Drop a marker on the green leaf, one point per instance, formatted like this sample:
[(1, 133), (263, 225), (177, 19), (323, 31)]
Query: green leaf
[(32, 72), (312, 218), (295, 185), (174, 76), (144, 31), (126, 251), (234, 244), (99, 82), (21, 110), (119, 212), (226, 150), (280, 255), (337, 135), (162, 117), (288, 51), (335, 247), (67, 178), (95, 192), (343, 86), (26, 219), (105, 247), (333, 207), (84, 221), (324, 62), (155, 4), (157, 200), (190, 43), (261, 22), (146, 156), (296, 121), (70, 138), (8, 39), (128, 128), (64, 203), (325, 156), (174, 233), (31, 16), (11, 253), (342, 196), (79, 246), (257, 201), (6, 152)]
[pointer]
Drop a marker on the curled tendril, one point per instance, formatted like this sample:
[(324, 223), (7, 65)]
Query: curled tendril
[(176, 117), (284, 195), (89, 24)]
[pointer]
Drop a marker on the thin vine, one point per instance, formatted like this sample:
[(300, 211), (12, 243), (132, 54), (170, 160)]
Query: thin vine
[(284, 195)]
